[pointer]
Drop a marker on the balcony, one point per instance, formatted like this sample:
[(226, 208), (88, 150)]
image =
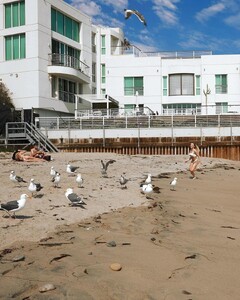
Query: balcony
[(68, 67)]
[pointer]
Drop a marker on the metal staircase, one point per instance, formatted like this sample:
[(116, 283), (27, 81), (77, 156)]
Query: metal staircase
[(25, 134)]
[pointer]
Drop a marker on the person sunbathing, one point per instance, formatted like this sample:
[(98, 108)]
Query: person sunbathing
[(21, 155)]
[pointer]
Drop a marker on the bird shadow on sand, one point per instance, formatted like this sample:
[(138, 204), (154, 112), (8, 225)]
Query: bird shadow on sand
[(38, 196)]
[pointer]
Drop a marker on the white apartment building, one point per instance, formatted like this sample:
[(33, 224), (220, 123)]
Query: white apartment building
[(50, 52)]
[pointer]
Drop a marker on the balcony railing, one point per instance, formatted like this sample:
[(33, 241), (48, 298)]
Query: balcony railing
[(64, 60)]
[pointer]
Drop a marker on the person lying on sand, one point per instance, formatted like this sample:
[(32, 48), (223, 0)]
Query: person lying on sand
[(38, 153), (21, 155)]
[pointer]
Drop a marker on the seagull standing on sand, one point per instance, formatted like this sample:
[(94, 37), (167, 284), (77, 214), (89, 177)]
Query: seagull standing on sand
[(71, 169), (148, 179), (79, 180), (104, 166), (129, 12), (17, 179), (74, 198), (56, 179), (123, 182), (53, 172), (173, 183), (34, 187), (147, 188), (14, 205)]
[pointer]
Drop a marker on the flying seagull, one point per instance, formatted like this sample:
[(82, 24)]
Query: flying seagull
[(14, 205), (71, 169), (74, 198), (129, 12), (34, 187), (79, 180), (105, 166), (173, 183), (17, 179), (56, 179)]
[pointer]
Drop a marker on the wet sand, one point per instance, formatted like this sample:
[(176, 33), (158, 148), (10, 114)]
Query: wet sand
[(181, 244)]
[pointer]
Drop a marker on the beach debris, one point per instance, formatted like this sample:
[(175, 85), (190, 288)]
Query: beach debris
[(47, 287), (231, 238), (115, 267), (186, 292), (57, 258), (111, 244), (193, 256), (173, 184), (18, 258), (229, 227), (54, 244)]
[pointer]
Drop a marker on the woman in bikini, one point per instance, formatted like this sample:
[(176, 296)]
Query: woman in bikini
[(194, 157)]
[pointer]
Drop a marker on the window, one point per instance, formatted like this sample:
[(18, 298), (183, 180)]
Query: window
[(165, 91), (221, 84), (93, 72), (182, 109), (67, 90), (62, 54), (133, 85), (103, 44), (197, 85), (221, 108), (64, 25), (103, 73), (15, 47), (181, 84), (93, 42), (15, 14)]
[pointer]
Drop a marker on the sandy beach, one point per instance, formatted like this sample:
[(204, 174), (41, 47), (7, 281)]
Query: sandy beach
[(181, 244)]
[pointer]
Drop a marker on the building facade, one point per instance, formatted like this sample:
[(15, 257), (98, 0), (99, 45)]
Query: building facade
[(50, 52)]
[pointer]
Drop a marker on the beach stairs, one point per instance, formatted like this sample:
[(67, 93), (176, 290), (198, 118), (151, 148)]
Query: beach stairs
[(23, 134)]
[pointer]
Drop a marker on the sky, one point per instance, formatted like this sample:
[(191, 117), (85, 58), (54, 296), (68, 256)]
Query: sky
[(172, 25)]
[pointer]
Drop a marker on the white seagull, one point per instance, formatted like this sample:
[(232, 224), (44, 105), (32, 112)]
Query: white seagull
[(123, 182), (56, 179), (147, 188), (14, 205), (34, 187), (173, 183), (74, 198), (148, 179), (17, 179), (104, 166), (129, 12), (53, 171), (79, 180), (71, 169)]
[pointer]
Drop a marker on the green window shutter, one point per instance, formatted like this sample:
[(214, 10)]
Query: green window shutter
[(75, 31), (22, 46), (164, 85), (15, 46), (68, 27), (128, 86), (103, 44), (53, 19), (22, 13), (60, 23), (8, 48), (138, 85), (8, 15), (197, 84), (103, 73), (15, 14)]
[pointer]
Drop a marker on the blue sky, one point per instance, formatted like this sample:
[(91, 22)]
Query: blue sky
[(172, 25)]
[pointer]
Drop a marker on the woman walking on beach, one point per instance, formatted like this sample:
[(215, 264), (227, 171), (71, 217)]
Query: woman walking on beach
[(194, 157)]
